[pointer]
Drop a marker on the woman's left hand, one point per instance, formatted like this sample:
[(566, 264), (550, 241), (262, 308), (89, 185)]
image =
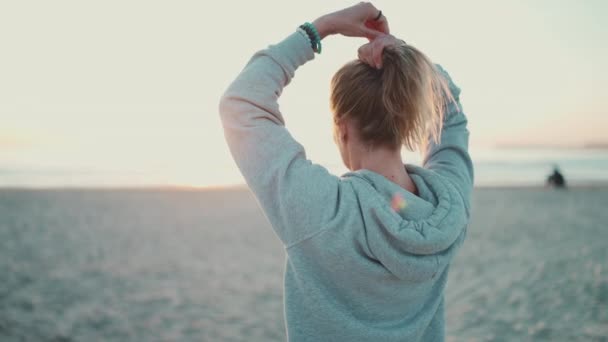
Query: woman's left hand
[(354, 21)]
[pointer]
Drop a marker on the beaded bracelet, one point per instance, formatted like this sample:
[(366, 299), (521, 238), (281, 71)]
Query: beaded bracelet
[(313, 36)]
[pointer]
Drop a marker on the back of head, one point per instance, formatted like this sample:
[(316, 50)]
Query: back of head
[(402, 103)]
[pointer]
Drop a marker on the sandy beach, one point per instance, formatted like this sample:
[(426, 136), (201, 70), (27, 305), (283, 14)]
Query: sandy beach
[(185, 265)]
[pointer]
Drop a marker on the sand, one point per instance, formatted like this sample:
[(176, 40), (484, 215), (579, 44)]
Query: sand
[(178, 265)]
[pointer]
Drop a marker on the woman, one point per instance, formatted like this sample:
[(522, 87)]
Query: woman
[(368, 253)]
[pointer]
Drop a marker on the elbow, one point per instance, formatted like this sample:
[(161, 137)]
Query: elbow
[(224, 105), (227, 106), (234, 110)]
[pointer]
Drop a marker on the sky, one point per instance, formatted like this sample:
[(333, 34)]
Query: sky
[(128, 91)]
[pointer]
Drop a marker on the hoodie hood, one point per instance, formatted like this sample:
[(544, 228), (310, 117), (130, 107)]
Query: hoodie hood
[(418, 241)]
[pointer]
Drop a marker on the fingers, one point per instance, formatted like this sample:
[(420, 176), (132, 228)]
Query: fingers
[(383, 25), (371, 34), (364, 54), (377, 25), (380, 25), (371, 28), (377, 49), (369, 10), (371, 54), (377, 57), (358, 21)]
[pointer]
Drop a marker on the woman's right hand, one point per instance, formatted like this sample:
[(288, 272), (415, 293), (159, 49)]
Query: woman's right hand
[(371, 53), (354, 21)]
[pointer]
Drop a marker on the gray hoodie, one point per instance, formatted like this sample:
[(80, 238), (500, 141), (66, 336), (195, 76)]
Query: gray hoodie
[(356, 268)]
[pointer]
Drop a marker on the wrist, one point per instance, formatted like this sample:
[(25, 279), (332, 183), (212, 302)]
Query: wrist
[(323, 26)]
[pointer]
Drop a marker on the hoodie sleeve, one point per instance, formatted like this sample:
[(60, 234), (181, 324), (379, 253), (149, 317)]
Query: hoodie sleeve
[(450, 157), (296, 195)]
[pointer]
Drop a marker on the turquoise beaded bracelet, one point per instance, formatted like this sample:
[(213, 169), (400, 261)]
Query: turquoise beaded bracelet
[(314, 36)]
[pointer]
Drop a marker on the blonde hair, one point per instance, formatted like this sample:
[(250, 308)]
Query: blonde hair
[(402, 103)]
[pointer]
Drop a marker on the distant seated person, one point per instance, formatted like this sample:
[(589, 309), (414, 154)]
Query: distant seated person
[(556, 179)]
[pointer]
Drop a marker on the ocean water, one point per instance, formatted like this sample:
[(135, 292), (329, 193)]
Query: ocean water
[(530, 166), (493, 167), (160, 265)]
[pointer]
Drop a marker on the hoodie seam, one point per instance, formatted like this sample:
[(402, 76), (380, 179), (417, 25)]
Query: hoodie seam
[(307, 237)]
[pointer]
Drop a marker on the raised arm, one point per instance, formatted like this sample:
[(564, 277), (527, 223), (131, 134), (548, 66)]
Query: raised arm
[(450, 157), (289, 188), (297, 196)]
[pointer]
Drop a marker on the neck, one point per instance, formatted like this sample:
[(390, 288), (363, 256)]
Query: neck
[(385, 162)]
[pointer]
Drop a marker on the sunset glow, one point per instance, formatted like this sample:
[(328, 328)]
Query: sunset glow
[(127, 92)]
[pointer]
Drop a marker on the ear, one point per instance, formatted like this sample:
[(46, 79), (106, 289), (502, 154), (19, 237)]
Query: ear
[(343, 131)]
